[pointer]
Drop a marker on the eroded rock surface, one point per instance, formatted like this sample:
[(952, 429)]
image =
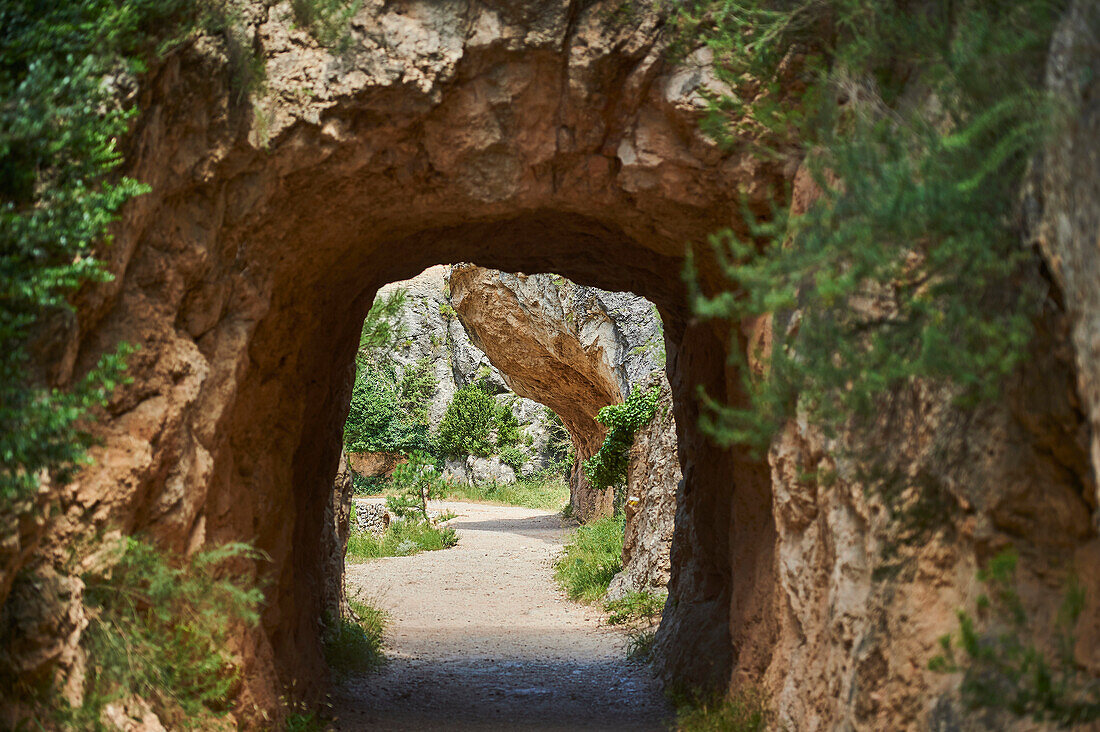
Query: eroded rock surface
[(572, 348), (653, 481)]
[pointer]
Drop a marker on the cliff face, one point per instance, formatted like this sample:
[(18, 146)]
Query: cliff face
[(574, 349), (534, 137)]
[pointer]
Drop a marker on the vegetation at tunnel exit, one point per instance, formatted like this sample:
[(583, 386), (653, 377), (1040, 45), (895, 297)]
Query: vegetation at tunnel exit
[(916, 120), (550, 492), (402, 538), (353, 645), (608, 466), (1003, 667), (592, 558)]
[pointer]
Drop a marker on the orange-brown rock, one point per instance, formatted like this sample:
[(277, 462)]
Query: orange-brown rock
[(535, 137), (524, 327)]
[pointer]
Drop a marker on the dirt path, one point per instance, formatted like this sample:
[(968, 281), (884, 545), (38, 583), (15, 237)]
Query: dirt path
[(480, 638)]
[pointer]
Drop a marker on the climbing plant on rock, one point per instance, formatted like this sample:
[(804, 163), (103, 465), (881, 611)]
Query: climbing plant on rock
[(608, 466)]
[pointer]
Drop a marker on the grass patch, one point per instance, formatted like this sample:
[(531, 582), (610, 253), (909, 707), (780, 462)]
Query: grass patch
[(746, 711), (591, 559), (549, 494), (402, 538), (354, 645), (635, 607), (639, 645)]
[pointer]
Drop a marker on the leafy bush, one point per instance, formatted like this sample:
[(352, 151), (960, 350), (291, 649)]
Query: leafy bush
[(466, 428), (327, 20), (608, 466), (591, 560), (385, 413), (363, 485), (909, 266), (514, 457), (508, 434), (400, 539), (354, 645), (158, 632), (418, 385), (1003, 669)]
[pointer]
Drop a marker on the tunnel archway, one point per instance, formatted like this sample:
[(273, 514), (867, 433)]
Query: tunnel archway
[(245, 275)]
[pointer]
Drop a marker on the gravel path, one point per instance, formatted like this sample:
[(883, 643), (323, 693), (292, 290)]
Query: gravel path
[(480, 638)]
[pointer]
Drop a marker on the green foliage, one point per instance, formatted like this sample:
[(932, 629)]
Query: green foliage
[(159, 629), (547, 493), (639, 645), (608, 466), (1004, 669), (559, 444), (305, 721), (418, 385), (591, 560), (466, 428), (746, 710), (416, 482), (363, 485), (507, 426), (354, 645), (61, 66), (387, 413), (376, 420), (401, 539), (635, 606), (382, 328), (514, 457), (328, 21), (909, 265)]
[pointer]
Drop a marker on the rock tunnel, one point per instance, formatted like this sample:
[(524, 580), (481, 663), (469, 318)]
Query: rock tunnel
[(530, 137)]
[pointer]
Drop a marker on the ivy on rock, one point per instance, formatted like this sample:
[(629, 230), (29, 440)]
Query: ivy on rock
[(608, 466)]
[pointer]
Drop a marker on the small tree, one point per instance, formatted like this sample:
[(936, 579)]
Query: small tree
[(418, 482)]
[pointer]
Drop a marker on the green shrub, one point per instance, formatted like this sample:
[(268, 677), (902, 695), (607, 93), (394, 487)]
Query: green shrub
[(508, 434), (591, 559), (354, 645), (1004, 669), (545, 493), (514, 457), (468, 423), (608, 466), (401, 539), (60, 123), (158, 631), (917, 122), (418, 385), (363, 485), (746, 710), (634, 607)]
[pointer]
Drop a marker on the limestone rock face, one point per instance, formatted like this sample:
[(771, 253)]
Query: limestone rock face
[(574, 349), (653, 481), (1067, 188)]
